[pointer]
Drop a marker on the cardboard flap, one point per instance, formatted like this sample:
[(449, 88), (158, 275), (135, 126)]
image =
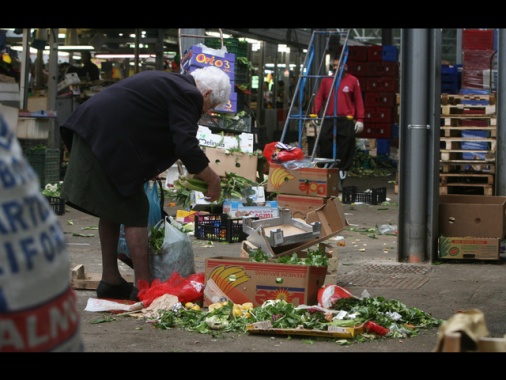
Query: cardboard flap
[(330, 215)]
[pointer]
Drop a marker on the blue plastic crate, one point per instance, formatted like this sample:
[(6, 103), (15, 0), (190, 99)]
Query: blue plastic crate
[(390, 54), (383, 146), (449, 69), (474, 145)]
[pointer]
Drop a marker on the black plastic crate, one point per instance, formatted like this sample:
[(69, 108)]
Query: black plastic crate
[(57, 204), (373, 196), (219, 227)]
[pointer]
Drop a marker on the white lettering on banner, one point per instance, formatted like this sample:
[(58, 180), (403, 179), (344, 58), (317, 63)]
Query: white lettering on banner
[(21, 252), (23, 214), (15, 173), (43, 328)]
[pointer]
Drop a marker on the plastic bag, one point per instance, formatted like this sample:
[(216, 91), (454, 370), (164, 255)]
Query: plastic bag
[(176, 254), (156, 214), (276, 152), (189, 289)]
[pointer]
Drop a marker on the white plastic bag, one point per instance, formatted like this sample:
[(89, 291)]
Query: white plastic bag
[(176, 254)]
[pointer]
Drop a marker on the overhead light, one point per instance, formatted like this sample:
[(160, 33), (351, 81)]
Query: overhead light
[(45, 51), (109, 56), (75, 47), (217, 34)]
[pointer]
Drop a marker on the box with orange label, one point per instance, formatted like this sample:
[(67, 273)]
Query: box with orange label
[(317, 182), (241, 280), (469, 247)]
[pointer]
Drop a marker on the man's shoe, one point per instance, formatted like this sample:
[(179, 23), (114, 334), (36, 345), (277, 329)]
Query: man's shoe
[(118, 292)]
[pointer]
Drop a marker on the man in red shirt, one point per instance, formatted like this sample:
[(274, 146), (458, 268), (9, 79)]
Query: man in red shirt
[(349, 121)]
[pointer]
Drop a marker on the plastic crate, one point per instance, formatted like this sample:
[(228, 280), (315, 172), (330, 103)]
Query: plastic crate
[(390, 53), (219, 227), (377, 131), (478, 39), (373, 196), (46, 163), (57, 204)]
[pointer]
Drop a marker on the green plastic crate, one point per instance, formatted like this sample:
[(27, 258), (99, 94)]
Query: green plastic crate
[(46, 163)]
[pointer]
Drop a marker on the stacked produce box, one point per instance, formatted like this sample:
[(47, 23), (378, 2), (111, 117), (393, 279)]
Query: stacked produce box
[(478, 51), (377, 69)]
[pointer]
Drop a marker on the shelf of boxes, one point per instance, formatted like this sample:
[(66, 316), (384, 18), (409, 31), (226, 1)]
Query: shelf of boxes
[(468, 144)]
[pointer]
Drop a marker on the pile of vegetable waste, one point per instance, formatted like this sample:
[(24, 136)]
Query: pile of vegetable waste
[(391, 318)]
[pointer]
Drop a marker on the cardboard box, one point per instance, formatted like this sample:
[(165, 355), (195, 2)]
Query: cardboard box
[(244, 141), (203, 56), (239, 280), (231, 105), (300, 205), (472, 215), (332, 221), (469, 247), (265, 327), (238, 210), (33, 128), (255, 195), (223, 162), (331, 216), (319, 182)]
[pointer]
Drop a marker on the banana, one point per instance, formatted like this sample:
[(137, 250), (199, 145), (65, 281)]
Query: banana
[(279, 176), (216, 271), (233, 270)]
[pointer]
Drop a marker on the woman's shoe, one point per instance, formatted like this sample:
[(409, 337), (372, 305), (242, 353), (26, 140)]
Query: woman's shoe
[(119, 292), (134, 295)]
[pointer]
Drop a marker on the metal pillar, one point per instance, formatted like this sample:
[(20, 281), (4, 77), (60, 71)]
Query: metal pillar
[(501, 110), (52, 83), (419, 144)]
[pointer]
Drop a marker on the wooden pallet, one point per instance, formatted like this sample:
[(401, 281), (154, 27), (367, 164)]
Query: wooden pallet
[(468, 188), (451, 99), (466, 122), (459, 179), (467, 111), (455, 143), (456, 155), (466, 167), (457, 131), (89, 281)]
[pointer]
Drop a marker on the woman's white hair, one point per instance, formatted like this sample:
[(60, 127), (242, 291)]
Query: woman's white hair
[(212, 78)]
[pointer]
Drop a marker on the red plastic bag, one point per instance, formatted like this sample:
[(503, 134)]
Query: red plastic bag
[(274, 154), (290, 155), (190, 289)]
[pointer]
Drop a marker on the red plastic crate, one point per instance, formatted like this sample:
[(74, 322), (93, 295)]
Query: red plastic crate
[(357, 68), (369, 114), (376, 130), (474, 39), (381, 99), (474, 122), (357, 53), (381, 84), (382, 69), (384, 115), (374, 53), (476, 59)]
